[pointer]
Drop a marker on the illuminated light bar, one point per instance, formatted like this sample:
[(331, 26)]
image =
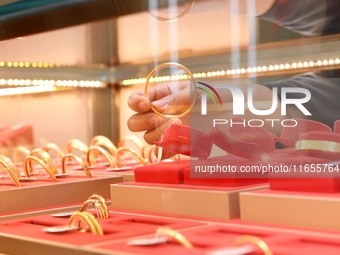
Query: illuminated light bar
[(28, 64), (293, 67), (26, 90), (58, 83)]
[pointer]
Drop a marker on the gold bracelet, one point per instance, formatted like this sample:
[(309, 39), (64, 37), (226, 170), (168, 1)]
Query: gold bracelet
[(11, 165), (53, 147), (134, 139), (176, 18), (40, 153), (79, 160), (97, 148), (22, 150), (104, 142), (147, 84), (255, 240), (90, 221), (138, 157), (4, 161), (317, 145), (76, 144), (175, 235), (27, 166)]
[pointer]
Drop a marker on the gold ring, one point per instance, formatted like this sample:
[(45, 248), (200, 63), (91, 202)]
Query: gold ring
[(147, 152), (255, 240), (97, 148), (175, 235), (178, 17), (138, 157), (40, 153), (133, 139), (147, 84), (79, 160), (90, 221), (54, 147), (104, 142), (27, 166), (76, 144), (11, 165), (22, 150), (97, 204), (317, 145), (93, 199), (102, 201), (4, 161)]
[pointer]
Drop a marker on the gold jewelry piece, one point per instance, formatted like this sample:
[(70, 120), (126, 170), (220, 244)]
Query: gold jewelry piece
[(79, 160), (8, 167), (176, 18), (40, 153), (175, 235), (255, 240), (90, 221), (133, 139), (138, 157), (95, 149), (99, 202), (147, 84), (147, 152), (76, 144), (53, 147), (27, 166), (11, 165), (104, 142), (18, 150), (317, 145)]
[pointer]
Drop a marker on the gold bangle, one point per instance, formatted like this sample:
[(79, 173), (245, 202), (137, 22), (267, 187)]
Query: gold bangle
[(255, 240), (22, 150), (99, 204), (11, 165), (27, 166), (147, 84), (138, 157), (54, 147), (175, 235), (90, 221), (97, 148), (176, 18), (40, 153), (76, 144), (9, 169), (104, 142), (79, 160), (133, 139), (317, 145)]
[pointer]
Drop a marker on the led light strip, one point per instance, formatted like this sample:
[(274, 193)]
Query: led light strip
[(294, 67), (26, 90), (58, 83), (28, 64)]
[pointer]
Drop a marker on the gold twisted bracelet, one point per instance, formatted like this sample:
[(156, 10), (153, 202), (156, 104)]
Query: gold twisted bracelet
[(76, 144), (4, 161), (175, 235), (177, 17), (43, 155), (317, 145), (254, 240), (99, 202), (90, 221), (138, 157), (18, 150), (104, 142), (27, 166), (53, 147), (95, 149), (79, 160)]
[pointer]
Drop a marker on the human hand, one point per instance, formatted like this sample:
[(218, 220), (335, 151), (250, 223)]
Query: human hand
[(166, 98)]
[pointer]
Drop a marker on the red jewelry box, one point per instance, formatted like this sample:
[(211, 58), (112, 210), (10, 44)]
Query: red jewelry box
[(25, 236)]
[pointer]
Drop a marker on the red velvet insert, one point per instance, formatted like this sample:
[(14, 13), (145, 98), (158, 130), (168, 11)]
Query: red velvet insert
[(118, 226), (218, 237)]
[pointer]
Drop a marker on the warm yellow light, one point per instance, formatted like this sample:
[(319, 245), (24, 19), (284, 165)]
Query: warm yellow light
[(21, 64), (331, 61), (337, 61), (16, 82), (51, 65), (40, 65), (2, 81), (294, 65), (22, 82), (9, 64), (27, 82), (2, 63), (41, 82), (300, 65), (27, 64), (15, 64), (287, 66), (34, 65), (10, 82), (35, 82), (25, 90)]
